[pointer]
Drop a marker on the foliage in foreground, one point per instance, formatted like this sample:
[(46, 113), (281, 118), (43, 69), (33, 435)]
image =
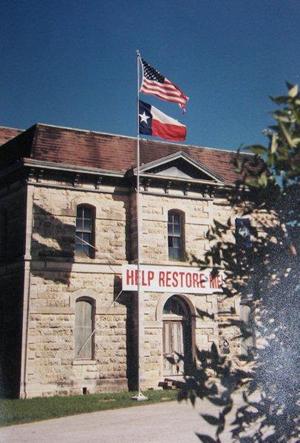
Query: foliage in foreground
[(43, 408), (265, 274)]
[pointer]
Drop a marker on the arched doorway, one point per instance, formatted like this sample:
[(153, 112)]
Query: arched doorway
[(177, 337)]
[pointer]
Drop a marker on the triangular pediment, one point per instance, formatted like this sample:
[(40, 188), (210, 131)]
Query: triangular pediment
[(179, 166), (173, 171)]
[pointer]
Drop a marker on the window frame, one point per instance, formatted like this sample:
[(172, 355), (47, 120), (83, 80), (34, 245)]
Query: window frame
[(180, 236), (79, 233)]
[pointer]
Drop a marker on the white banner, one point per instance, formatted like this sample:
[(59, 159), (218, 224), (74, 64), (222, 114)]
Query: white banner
[(171, 279)]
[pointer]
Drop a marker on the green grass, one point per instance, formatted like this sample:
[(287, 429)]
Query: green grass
[(42, 408)]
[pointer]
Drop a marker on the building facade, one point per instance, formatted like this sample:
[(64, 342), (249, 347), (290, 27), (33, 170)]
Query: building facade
[(69, 223)]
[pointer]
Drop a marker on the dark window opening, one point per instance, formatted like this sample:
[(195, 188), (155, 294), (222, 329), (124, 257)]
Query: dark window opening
[(85, 229), (176, 235), (174, 306)]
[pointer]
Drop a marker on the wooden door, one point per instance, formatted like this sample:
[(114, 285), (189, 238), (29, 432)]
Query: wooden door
[(173, 347)]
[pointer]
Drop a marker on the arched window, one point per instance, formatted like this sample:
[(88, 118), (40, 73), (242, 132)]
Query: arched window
[(174, 306), (84, 329), (177, 337), (85, 231), (176, 235)]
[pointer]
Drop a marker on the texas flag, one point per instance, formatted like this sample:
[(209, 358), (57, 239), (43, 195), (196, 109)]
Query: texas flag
[(154, 122)]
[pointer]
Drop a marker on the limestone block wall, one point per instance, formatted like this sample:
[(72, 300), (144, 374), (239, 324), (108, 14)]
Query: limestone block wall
[(55, 217), (52, 367), (200, 214), (154, 237), (229, 342), (204, 330), (58, 277)]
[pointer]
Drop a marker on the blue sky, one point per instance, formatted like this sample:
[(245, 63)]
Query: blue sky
[(73, 63)]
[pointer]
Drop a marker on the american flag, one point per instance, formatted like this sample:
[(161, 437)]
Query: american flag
[(154, 83)]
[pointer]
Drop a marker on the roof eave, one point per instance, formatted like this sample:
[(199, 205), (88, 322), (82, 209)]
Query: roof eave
[(182, 180), (29, 162)]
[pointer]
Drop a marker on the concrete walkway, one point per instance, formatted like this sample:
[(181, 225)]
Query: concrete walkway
[(158, 423)]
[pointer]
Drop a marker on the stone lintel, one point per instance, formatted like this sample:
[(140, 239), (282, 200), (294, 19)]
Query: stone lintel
[(153, 325), (70, 267)]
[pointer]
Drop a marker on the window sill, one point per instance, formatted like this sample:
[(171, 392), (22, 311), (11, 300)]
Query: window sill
[(172, 261), (81, 257), (82, 362)]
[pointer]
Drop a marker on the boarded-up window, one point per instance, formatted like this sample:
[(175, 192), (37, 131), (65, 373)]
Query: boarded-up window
[(84, 329)]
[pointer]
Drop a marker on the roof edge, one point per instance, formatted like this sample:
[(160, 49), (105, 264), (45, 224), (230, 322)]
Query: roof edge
[(88, 131), (10, 127)]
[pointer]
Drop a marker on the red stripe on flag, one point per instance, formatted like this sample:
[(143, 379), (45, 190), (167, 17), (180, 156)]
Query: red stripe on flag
[(162, 88), (164, 96), (168, 131), (166, 91), (165, 85)]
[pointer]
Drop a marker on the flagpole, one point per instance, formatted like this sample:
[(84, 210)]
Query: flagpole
[(140, 301)]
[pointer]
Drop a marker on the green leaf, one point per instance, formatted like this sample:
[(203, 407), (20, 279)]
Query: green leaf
[(206, 438), (282, 116), (228, 408), (296, 140), (263, 180), (258, 149), (286, 134), (220, 429), (279, 100), (211, 419), (250, 181), (293, 91), (218, 401), (274, 143)]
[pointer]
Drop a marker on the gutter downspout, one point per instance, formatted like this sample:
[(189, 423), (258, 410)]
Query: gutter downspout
[(26, 288)]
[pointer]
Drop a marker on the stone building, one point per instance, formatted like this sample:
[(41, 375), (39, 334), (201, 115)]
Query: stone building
[(68, 225)]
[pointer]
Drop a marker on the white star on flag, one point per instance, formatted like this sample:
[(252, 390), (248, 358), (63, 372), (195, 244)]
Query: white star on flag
[(144, 117)]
